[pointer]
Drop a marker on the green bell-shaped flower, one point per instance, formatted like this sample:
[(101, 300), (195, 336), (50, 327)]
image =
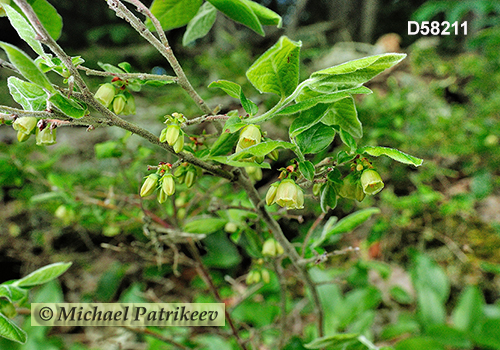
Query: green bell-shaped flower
[(119, 103), (105, 94), (149, 185), (250, 135), (45, 137), (371, 182), (289, 195), (168, 184), (25, 124)]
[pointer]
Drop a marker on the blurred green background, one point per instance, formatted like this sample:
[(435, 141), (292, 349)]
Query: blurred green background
[(428, 272)]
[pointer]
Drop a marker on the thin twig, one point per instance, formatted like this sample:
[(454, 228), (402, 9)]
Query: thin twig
[(208, 280), (127, 76), (123, 12), (310, 231), (289, 249), (149, 332)]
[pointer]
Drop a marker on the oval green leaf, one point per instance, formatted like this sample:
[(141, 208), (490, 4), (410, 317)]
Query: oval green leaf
[(11, 331), (30, 96), (395, 154), (173, 13), (200, 24), (240, 12), (43, 275)]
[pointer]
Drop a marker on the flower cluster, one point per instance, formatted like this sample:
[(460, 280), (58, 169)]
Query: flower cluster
[(173, 134), (363, 181), (163, 181), (116, 98)]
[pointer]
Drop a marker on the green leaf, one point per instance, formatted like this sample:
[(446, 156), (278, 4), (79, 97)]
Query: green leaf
[(26, 66), (307, 119), (24, 29), (30, 96), (240, 12), (343, 113), (48, 16), (395, 154), (328, 197), (239, 164), (235, 90), (426, 272), (261, 149), (173, 13), (68, 106), (108, 149), (469, 310), (5, 293), (233, 124), (430, 308), (125, 66), (266, 16), (341, 340), (315, 139), (307, 169), (110, 68), (353, 73), (200, 24), (224, 144), (204, 225), (13, 293), (305, 104), (43, 275), (489, 334), (348, 140), (419, 343), (11, 331), (449, 336), (347, 224), (277, 70)]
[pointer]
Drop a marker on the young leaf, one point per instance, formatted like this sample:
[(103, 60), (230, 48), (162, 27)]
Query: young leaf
[(24, 29), (469, 310), (48, 16), (68, 106), (26, 66), (353, 73), (307, 119), (340, 341), (392, 153), (204, 225), (43, 275), (173, 13), (235, 90), (430, 308), (12, 293), (266, 16), (240, 12), (261, 149), (30, 96), (277, 70), (348, 140), (307, 169), (200, 24), (328, 197), (347, 224), (343, 113), (11, 331), (110, 68), (305, 104), (224, 144), (315, 139)]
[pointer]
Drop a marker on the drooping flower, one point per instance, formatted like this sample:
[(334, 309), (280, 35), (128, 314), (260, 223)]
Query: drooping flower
[(371, 182), (289, 195), (149, 185), (105, 94)]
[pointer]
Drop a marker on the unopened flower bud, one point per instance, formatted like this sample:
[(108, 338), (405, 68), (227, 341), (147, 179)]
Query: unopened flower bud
[(266, 278), (249, 136), (179, 144), (173, 134), (105, 94), (273, 155), (168, 184), (25, 124), (230, 227), (149, 185), (271, 193), (269, 247), (180, 174), (253, 277), (317, 188), (371, 182), (119, 103), (130, 106), (45, 137), (254, 172), (190, 177), (162, 196)]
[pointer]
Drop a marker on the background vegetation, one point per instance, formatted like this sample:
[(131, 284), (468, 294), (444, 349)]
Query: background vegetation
[(427, 273)]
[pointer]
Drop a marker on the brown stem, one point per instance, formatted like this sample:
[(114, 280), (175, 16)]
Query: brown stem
[(289, 249), (208, 280), (164, 339)]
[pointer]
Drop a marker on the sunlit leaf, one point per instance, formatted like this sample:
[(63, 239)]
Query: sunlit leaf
[(43, 275), (173, 13), (392, 153), (200, 24)]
